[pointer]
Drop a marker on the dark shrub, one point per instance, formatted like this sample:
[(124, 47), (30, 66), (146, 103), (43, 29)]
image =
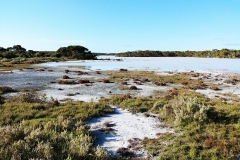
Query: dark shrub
[(127, 96), (106, 130), (106, 81), (40, 70), (123, 69), (184, 83), (171, 93), (136, 79), (138, 83), (160, 83), (82, 81), (55, 103), (66, 71), (145, 80), (108, 124), (65, 77), (133, 88), (134, 142), (80, 72), (66, 82), (125, 152), (195, 75), (6, 89), (232, 81), (124, 83), (51, 82), (215, 88)]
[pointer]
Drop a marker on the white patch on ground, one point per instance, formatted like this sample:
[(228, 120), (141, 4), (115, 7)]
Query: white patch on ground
[(218, 78), (127, 126), (81, 92)]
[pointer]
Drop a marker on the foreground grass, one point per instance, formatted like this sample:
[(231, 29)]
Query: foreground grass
[(31, 128), (31, 108)]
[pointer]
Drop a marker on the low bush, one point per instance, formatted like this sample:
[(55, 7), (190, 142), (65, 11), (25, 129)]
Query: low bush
[(133, 88), (6, 89), (65, 77), (125, 152), (124, 83), (186, 110), (106, 81), (214, 87), (145, 80), (232, 81), (61, 139), (28, 97), (160, 83), (121, 69), (66, 82), (171, 93), (83, 81)]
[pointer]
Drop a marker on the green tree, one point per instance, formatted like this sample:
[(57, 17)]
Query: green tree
[(2, 49), (18, 48), (76, 52)]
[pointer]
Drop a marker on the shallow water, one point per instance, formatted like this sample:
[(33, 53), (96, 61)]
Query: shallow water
[(162, 63), (28, 79)]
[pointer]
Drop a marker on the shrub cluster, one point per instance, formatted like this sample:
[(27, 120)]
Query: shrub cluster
[(82, 81), (63, 138), (186, 110), (6, 89), (66, 82), (133, 88)]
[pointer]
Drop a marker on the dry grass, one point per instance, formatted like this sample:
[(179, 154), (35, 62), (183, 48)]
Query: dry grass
[(66, 82)]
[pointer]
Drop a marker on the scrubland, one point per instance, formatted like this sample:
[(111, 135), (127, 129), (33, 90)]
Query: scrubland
[(32, 127)]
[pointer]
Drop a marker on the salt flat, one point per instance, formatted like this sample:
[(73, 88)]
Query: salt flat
[(126, 126)]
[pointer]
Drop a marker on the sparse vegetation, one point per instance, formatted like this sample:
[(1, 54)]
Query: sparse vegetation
[(125, 152), (133, 88), (83, 81), (65, 77), (6, 89), (66, 82), (204, 128)]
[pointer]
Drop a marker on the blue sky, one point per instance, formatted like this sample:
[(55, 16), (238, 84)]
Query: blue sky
[(121, 25)]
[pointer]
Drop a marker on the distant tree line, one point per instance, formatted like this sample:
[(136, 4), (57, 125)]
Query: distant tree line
[(103, 54), (223, 53), (72, 52)]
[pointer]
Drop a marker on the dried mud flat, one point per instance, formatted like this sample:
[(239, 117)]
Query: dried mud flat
[(125, 128)]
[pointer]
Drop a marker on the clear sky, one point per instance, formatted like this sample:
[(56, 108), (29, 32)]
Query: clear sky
[(121, 25)]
